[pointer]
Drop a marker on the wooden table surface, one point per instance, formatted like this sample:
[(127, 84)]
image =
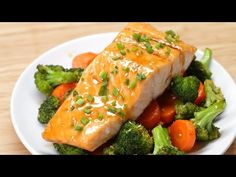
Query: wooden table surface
[(21, 43)]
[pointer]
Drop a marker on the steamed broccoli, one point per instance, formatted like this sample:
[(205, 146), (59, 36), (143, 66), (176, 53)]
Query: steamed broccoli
[(109, 150), (213, 93), (132, 138), (65, 149), (203, 121), (185, 111), (48, 77), (200, 69), (162, 143), (48, 108), (186, 88)]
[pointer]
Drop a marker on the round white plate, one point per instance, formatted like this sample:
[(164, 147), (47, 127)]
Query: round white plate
[(26, 99)]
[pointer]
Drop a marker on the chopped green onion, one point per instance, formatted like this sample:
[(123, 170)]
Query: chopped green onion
[(134, 49), (136, 36), (115, 91), (122, 52), (126, 82), (120, 46), (126, 69), (113, 103), (78, 127), (88, 107), (159, 45), (90, 98), (171, 33), (115, 71), (149, 48), (103, 90), (84, 120), (171, 36), (87, 110), (141, 76), (104, 98), (133, 84), (80, 102), (100, 116), (112, 109), (120, 112), (116, 58), (170, 39), (144, 38), (103, 75), (168, 50)]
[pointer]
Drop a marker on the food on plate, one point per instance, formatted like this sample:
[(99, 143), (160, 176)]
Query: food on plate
[(132, 138), (48, 108), (137, 94), (162, 142), (183, 134), (48, 77), (83, 60), (66, 149), (200, 69)]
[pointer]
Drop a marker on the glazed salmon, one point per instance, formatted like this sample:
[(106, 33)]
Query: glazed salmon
[(118, 85)]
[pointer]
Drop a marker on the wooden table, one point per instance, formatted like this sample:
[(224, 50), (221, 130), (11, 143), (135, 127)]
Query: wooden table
[(21, 43)]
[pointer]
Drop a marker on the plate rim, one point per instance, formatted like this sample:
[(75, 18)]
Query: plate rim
[(28, 67)]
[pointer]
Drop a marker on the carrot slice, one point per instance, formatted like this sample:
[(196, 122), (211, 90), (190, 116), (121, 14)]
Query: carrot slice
[(167, 104), (151, 115), (61, 90), (201, 94), (168, 113), (83, 60), (183, 134)]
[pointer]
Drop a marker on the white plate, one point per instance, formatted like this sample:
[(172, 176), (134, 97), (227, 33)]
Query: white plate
[(26, 99)]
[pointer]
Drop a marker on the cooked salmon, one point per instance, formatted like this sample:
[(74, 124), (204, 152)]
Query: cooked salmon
[(118, 85)]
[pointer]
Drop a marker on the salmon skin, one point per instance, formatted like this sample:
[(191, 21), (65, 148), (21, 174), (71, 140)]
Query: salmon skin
[(118, 85)]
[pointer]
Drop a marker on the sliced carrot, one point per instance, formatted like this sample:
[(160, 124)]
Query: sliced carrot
[(167, 104), (201, 94), (150, 116), (183, 134), (83, 60), (167, 113), (61, 90)]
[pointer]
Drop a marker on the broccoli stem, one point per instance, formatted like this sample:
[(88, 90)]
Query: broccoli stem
[(162, 142), (205, 117), (161, 138), (206, 59)]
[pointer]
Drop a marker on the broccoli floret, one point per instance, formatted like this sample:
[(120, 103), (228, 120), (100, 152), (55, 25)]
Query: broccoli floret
[(213, 93), (185, 111), (200, 69), (203, 121), (132, 138), (47, 77), (162, 143), (186, 88), (109, 150), (65, 149), (48, 108)]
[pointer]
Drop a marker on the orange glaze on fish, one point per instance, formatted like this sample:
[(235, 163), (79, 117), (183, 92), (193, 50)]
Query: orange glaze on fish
[(158, 68)]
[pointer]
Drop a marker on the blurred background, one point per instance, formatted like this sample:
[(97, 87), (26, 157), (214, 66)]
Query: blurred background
[(21, 43)]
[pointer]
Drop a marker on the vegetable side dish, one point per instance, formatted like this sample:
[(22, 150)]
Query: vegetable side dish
[(144, 94)]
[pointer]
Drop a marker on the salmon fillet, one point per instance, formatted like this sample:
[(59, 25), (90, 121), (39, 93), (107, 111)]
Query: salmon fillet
[(118, 85)]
